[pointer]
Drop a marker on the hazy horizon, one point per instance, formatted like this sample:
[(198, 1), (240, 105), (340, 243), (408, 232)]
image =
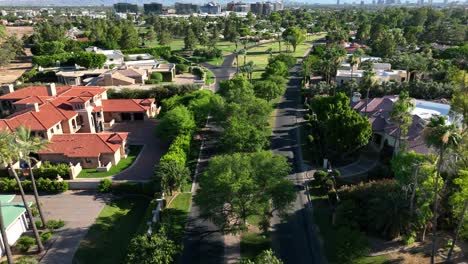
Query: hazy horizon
[(165, 3)]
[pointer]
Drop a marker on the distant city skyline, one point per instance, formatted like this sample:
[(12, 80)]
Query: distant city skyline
[(171, 2)]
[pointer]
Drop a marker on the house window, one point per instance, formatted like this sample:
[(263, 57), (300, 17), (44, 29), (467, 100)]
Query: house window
[(52, 130), (58, 127), (88, 160)]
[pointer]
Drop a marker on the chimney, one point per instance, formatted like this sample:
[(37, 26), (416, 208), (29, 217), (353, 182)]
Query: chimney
[(51, 91), (33, 106), (7, 88), (356, 97)]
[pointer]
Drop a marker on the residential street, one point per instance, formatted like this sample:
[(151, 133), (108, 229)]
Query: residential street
[(203, 243), (294, 240)]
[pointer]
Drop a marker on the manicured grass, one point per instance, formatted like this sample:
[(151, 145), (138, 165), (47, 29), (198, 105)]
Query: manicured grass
[(175, 216), (107, 239), (253, 244), (209, 78), (122, 165)]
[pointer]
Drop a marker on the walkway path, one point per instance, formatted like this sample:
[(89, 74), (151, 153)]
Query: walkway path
[(79, 210)]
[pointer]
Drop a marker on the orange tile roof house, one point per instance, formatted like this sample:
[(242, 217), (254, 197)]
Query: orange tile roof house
[(73, 119), (90, 150)]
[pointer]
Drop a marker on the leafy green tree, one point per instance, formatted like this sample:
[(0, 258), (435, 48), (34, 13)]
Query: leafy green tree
[(338, 129), (268, 89), (130, 38), (173, 174), (240, 135), (190, 40), (153, 249), (276, 68), (164, 38), (236, 89), (176, 121), (240, 185), (295, 36), (90, 60), (150, 35)]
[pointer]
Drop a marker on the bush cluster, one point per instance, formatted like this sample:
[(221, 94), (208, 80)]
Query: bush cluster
[(208, 53), (50, 171), (46, 185), (85, 59)]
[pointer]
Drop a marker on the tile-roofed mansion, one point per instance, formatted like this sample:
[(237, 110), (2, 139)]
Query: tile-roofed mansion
[(64, 115), (385, 132)]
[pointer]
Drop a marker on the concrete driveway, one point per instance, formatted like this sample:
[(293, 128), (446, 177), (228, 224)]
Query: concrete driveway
[(141, 133), (79, 210)]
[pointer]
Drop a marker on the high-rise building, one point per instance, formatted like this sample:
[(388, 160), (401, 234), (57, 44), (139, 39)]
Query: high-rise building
[(337, 2), (125, 8), (210, 8), (186, 9), (153, 8), (238, 7)]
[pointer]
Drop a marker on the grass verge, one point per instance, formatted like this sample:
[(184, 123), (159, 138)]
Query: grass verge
[(175, 216), (122, 165), (253, 244), (107, 239)]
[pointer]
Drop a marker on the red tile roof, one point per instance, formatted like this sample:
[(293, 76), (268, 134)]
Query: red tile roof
[(85, 145), (33, 91), (33, 99), (126, 105)]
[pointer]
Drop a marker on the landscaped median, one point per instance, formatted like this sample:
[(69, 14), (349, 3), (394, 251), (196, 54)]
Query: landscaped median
[(122, 165)]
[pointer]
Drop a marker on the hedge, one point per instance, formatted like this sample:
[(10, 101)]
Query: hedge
[(85, 59), (159, 52), (50, 171), (46, 185)]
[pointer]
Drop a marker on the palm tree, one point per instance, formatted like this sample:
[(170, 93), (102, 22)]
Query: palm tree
[(28, 145), (237, 53), (327, 67), (279, 42), (457, 232), (13, 154), (401, 116), (443, 137), (248, 69), (368, 79), (5, 238), (3, 151), (353, 60)]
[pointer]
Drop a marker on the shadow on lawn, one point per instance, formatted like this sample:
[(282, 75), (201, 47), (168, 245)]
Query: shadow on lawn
[(108, 238)]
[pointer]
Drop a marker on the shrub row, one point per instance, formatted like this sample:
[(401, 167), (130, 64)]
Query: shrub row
[(50, 171), (85, 59), (159, 52), (46, 185)]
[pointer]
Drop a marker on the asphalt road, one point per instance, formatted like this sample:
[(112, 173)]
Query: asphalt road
[(203, 243), (294, 239)]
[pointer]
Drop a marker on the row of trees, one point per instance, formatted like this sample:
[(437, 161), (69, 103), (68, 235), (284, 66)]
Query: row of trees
[(10, 47)]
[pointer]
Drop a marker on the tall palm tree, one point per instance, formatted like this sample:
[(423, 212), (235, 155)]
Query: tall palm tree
[(368, 79), (237, 52), (279, 42), (28, 145), (327, 67), (6, 246), (3, 151), (457, 232), (13, 154), (248, 69), (442, 137), (401, 116), (353, 60)]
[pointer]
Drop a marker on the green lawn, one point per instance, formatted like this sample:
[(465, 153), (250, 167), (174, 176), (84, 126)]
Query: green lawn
[(107, 239), (253, 244), (209, 78), (175, 216), (122, 165)]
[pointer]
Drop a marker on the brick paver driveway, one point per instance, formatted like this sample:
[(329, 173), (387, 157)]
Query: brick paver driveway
[(141, 133), (79, 210)]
